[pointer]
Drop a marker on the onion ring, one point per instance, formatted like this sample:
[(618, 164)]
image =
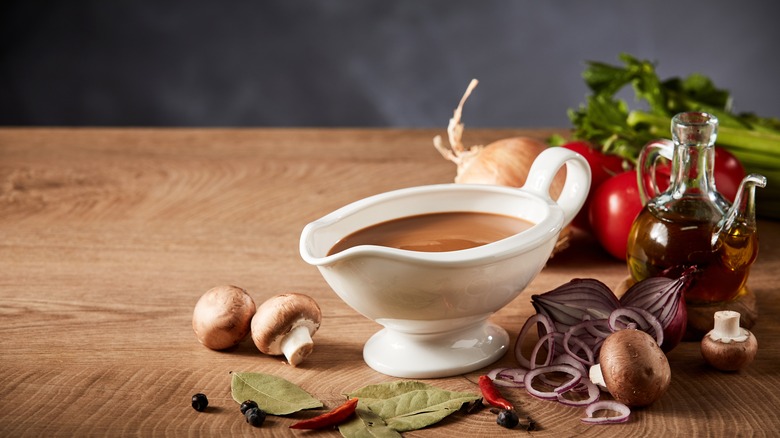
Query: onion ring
[(610, 405), (503, 377), (550, 395), (644, 320), (514, 374), (536, 318), (654, 323), (592, 328), (567, 359), (615, 324), (590, 387), (549, 338), (589, 358)]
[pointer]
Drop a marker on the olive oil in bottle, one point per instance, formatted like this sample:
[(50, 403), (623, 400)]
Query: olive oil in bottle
[(691, 224)]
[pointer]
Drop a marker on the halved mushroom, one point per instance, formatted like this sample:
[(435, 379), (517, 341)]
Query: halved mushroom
[(284, 324)]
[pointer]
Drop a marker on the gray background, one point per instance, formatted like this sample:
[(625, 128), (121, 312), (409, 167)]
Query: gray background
[(360, 63)]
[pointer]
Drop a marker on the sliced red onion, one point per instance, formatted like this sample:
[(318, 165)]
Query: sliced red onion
[(506, 377), (569, 384), (548, 339), (617, 317), (569, 338), (539, 319), (566, 359), (514, 374), (493, 375), (547, 395), (608, 405), (591, 389), (654, 323), (513, 377), (641, 317), (593, 328)]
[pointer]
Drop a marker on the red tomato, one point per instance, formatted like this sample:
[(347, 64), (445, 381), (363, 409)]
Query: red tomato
[(613, 207), (728, 173), (602, 167)]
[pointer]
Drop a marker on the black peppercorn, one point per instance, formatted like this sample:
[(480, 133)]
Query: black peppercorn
[(255, 416), (245, 406), (507, 418), (200, 402)]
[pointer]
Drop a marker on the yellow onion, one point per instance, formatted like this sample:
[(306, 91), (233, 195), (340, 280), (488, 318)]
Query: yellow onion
[(504, 162)]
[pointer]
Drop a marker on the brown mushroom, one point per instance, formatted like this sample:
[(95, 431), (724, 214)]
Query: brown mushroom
[(635, 369), (284, 324), (729, 347), (222, 317)]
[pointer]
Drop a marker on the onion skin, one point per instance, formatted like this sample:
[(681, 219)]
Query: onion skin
[(636, 371), (504, 162), (675, 331)]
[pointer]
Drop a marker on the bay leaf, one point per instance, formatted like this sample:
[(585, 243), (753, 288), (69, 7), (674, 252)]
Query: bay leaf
[(410, 405), (366, 424), (274, 395)]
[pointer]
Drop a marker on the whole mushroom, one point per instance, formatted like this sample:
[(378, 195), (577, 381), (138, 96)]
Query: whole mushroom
[(729, 347), (285, 324), (634, 368), (222, 317)]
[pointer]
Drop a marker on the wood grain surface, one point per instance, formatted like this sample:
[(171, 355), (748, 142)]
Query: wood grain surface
[(109, 236)]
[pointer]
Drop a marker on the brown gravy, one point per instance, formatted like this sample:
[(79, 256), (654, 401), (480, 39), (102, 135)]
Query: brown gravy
[(436, 232)]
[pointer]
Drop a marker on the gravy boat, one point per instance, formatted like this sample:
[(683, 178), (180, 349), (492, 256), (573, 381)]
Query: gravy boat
[(435, 306)]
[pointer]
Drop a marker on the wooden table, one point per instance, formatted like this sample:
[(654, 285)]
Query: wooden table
[(109, 236)]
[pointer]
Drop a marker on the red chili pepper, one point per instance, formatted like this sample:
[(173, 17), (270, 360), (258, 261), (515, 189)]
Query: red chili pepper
[(332, 418), (491, 394)]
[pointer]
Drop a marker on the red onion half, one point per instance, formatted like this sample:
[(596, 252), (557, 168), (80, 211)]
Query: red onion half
[(587, 303)]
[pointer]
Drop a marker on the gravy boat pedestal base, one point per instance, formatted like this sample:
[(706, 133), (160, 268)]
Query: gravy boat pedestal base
[(432, 355)]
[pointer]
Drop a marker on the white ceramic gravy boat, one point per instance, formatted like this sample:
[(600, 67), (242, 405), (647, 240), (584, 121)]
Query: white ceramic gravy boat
[(435, 306)]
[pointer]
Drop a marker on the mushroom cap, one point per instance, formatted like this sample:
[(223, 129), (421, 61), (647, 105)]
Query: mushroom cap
[(729, 355), (222, 316), (280, 314), (635, 369)]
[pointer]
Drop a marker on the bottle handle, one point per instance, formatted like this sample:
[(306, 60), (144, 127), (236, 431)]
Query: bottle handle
[(575, 188), (646, 167)]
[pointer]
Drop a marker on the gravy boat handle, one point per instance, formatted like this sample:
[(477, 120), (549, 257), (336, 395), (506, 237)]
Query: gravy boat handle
[(575, 188)]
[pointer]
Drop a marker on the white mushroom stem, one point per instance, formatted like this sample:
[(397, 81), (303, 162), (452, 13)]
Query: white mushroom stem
[(284, 324), (727, 327), (595, 376), (297, 344)]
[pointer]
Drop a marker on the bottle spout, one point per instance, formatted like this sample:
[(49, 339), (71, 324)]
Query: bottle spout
[(742, 213)]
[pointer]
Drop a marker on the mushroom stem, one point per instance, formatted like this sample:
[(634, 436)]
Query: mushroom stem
[(297, 344), (594, 373), (727, 327)]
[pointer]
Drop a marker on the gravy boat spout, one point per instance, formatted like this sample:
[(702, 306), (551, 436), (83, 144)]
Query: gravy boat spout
[(435, 306)]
